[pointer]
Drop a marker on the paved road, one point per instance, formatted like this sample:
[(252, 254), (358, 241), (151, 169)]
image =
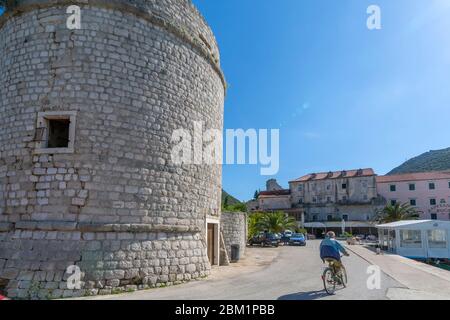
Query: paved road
[(295, 274)]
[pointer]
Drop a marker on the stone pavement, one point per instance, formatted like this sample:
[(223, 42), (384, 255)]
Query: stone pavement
[(285, 273), (421, 281)]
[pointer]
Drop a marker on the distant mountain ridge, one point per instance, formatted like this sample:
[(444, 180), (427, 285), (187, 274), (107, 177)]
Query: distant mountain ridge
[(434, 160), (230, 199)]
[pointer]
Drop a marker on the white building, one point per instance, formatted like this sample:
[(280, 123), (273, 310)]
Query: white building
[(417, 239)]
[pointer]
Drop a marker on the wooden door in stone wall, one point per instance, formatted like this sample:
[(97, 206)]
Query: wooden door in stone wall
[(211, 238)]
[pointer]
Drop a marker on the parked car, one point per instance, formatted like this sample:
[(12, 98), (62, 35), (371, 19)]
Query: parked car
[(3, 298), (267, 239), (360, 237), (297, 239), (286, 237), (288, 233), (371, 238)]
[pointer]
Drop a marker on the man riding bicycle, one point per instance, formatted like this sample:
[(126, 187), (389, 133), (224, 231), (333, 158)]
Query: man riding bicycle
[(330, 250)]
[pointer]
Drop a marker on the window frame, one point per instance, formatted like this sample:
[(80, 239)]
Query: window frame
[(433, 244), (408, 241), (43, 122)]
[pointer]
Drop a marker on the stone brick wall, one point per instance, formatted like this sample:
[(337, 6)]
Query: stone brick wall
[(35, 262), (133, 76), (233, 226)]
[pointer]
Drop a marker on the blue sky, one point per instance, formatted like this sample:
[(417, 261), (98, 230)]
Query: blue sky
[(343, 97)]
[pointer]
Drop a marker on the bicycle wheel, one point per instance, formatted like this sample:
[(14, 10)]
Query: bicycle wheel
[(344, 278), (328, 281)]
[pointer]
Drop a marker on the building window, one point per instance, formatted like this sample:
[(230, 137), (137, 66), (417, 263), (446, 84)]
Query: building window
[(330, 217), (443, 201), (344, 198), (431, 186), (437, 239), (328, 199), (300, 188), (393, 202), (300, 201), (449, 184), (345, 217), (365, 198), (393, 187), (344, 186), (432, 202), (413, 202), (433, 216), (314, 199), (410, 238), (328, 187), (314, 218), (412, 187), (55, 132)]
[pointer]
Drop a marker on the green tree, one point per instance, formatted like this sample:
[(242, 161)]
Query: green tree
[(276, 222), (397, 212), (225, 202), (253, 223)]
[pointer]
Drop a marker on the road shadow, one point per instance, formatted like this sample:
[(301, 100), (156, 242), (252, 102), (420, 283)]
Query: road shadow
[(311, 295)]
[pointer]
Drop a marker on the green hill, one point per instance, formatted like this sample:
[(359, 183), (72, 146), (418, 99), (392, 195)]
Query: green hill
[(435, 160), (231, 201)]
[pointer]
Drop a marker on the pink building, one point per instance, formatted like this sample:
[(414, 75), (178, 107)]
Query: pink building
[(429, 192)]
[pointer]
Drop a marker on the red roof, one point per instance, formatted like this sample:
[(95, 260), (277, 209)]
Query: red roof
[(436, 175), (336, 174), (284, 192)]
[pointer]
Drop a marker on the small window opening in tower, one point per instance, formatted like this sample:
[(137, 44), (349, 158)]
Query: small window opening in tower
[(58, 133)]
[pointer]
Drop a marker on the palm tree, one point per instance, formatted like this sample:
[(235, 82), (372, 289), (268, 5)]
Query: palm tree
[(276, 222), (253, 224), (397, 212)]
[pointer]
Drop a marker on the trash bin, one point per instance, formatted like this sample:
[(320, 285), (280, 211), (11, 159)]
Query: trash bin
[(235, 253)]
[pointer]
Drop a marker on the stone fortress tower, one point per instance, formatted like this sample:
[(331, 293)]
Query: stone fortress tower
[(86, 120)]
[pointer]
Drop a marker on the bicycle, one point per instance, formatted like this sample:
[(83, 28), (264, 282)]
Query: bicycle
[(332, 279)]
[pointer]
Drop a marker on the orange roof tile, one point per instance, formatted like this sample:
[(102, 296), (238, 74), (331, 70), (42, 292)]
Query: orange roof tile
[(283, 192), (336, 174), (436, 175)]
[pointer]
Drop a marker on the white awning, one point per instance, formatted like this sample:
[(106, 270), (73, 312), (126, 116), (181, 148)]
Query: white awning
[(415, 224), (315, 225)]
